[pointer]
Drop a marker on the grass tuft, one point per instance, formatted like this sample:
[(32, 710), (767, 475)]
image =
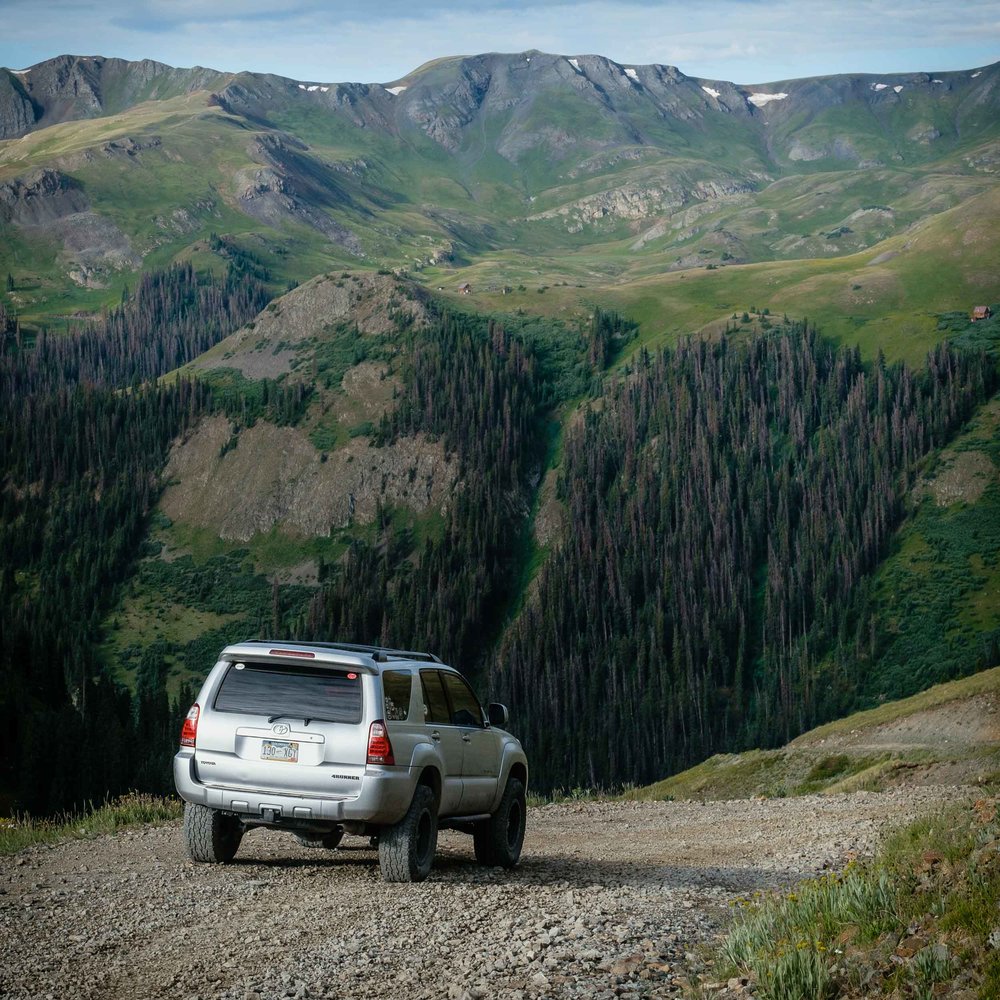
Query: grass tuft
[(918, 922), (134, 809)]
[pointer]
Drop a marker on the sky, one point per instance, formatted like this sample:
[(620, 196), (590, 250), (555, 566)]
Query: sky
[(379, 41)]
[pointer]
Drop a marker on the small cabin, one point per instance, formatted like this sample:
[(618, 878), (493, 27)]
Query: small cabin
[(465, 288), (981, 312)]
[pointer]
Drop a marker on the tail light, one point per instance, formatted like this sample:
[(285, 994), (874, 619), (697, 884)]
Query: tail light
[(189, 731), (379, 747)]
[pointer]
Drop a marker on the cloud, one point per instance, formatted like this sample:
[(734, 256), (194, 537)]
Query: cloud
[(742, 40)]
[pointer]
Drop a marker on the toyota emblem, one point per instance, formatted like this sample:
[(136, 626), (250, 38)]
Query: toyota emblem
[(280, 729)]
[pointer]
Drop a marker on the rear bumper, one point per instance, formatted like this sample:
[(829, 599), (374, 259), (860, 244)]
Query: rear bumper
[(384, 797)]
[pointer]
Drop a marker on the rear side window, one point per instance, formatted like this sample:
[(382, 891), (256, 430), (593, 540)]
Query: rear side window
[(298, 692), (396, 687), (435, 702)]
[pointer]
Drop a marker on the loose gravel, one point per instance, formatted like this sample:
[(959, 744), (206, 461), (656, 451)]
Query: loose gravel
[(611, 899)]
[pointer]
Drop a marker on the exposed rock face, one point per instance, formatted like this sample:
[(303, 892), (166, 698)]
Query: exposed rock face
[(56, 204), (634, 202), (267, 347), (293, 187), (448, 100), (444, 112), (256, 95), (40, 197), (18, 113), (800, 151), (276, 477), (68, 88)]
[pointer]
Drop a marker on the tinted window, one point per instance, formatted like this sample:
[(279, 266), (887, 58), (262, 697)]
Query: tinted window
[(465, 710), (396, 687), (435, 703), (292, 692)]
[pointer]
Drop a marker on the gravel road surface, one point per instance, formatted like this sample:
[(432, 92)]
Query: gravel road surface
[(610, 899)]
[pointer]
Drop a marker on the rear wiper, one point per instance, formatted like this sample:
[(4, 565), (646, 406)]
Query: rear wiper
[(274, 718)]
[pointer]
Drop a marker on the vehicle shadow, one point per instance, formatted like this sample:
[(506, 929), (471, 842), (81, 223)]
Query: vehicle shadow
[(569, 872), (457, 865)]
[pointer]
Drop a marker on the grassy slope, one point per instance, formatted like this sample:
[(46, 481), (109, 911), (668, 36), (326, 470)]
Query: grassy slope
[(192, 170), (20, 832), (850, 753), (938, 592), (887, 298), (411, 199)]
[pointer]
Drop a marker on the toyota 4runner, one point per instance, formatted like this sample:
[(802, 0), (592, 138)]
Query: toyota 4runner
[(323, 739)]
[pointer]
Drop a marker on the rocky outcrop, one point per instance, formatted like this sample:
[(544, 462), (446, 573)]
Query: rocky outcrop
[(128, 148), (634, 202), (444, 111), (18, 113), (56, 204), (290, 186), (275, 477), (41, 197), (373, 303)]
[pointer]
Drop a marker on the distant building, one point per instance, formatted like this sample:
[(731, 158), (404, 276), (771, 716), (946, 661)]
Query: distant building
[(465, 288), (981, 312)]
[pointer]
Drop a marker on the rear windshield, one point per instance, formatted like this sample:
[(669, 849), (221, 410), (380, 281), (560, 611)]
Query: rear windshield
[(284, 692)]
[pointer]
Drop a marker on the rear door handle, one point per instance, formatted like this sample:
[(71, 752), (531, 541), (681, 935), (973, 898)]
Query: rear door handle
[(466, 738), (436, 736)]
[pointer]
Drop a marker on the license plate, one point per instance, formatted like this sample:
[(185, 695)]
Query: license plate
[(279, 750)]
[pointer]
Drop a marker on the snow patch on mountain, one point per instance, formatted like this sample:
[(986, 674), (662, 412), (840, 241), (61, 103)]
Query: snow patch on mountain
[(759, 100)]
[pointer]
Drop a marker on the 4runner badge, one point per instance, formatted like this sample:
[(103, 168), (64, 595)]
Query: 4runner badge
[(280, 729)]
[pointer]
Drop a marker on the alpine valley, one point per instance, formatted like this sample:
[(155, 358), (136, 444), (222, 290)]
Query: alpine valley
[(652, 402)]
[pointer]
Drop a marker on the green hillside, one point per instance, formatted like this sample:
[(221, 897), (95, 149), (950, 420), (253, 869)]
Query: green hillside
[(642, 391), (582, 177), (946, 733)]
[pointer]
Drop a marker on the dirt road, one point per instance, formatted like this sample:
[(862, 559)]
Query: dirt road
[(611, 899)]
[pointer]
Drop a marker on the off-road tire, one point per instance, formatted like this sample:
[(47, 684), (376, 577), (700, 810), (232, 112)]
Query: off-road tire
[(499, 839), (329, 841), (406, 850), (209, 835)]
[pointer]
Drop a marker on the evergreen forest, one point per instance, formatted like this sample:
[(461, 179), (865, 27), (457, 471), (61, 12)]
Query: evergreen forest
[(84, 438), (726, 501)]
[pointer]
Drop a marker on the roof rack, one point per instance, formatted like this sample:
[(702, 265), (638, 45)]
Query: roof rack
[(381, 654)]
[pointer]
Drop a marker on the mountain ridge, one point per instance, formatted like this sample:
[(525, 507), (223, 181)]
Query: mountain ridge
[(545, 168), (86, 76)]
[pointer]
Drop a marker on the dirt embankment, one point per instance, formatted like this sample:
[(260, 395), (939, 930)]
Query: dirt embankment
[(611, 899)]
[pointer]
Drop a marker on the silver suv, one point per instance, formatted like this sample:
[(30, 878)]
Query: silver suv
[(323, 739)]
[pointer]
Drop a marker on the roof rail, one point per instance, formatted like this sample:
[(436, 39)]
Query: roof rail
[(381, 654)]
